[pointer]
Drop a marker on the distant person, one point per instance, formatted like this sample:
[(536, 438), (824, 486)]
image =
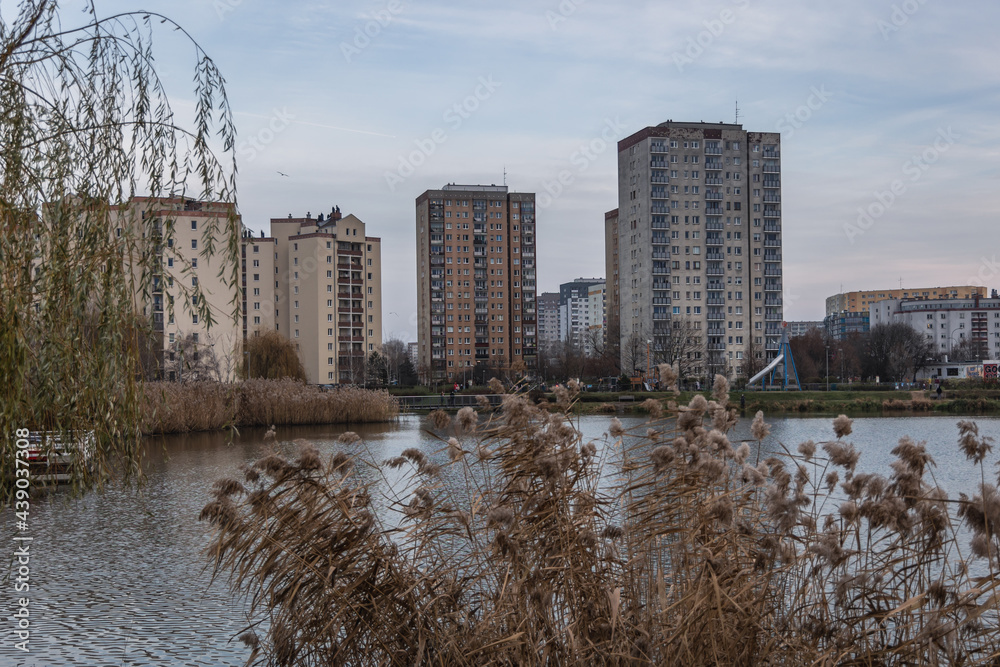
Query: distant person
[(939, 391), (743, 402)]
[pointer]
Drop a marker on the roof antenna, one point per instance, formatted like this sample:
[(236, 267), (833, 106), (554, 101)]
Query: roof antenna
[(737, 112), (505, 175)]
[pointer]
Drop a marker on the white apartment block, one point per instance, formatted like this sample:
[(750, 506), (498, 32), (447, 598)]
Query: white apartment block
[(948, 323)]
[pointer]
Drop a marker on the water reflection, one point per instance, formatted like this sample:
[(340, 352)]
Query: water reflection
[(119, 579)]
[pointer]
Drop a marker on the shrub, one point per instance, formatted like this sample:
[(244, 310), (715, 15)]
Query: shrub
[(514, 546)]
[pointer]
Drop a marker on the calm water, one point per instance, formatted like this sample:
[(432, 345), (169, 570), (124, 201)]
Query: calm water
[(118, 578)]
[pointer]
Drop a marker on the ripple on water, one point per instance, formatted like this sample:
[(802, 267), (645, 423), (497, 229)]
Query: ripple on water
[(119, 578)]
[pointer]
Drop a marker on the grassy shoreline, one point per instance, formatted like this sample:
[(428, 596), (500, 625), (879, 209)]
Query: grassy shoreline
[(808, 402)]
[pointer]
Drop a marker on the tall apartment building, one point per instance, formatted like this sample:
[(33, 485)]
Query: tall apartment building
[(319, 282), (475, 281), (699, 245), (548, 320), (612, 301), (188, 345), (577, 312), (859, 301)]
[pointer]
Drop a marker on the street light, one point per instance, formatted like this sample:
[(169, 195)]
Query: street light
[(828, 368)]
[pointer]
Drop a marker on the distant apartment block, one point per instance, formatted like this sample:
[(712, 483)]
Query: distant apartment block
[(579, 310), (841, 325), (476, 274), (699, 243), (801, 328), (860, 301), (548, 320), (971, 325), (318, 281)]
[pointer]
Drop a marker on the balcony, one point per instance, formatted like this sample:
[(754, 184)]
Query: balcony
[(772, 301), (714, 165), (772, 183), (772, 227), (713, 196), (772, 257), (713, 210), (773, 317), (773, 199), (772, 286), (768, 271), (772, 169), (657, 148), (714, 272), (715, 301), (659, 208), (661, 255), (716, 347), (714, 226), (715, 317), (714, 256), (772, 212), (712, 180), (772, 154), (772, 243), (713, 151)]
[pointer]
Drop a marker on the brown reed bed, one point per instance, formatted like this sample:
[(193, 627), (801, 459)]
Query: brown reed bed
[(172, 407), (515, 546)]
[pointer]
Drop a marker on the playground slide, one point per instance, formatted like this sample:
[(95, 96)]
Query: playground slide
[(770, 367)]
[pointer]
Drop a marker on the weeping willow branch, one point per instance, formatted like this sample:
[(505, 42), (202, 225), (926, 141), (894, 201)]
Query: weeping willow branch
[(85, 126)]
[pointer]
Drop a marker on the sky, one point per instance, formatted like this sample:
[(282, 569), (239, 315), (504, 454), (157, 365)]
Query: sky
[(888, 113)]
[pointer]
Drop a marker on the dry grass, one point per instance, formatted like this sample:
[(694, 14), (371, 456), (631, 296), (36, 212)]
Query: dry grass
[(529, 546), (172, 407)]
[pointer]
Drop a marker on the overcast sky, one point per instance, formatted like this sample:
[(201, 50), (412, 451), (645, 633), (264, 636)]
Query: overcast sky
[(869, 96)]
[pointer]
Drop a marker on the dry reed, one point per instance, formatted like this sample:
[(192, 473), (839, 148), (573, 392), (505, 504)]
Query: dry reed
[(172, 407), (666, 545)]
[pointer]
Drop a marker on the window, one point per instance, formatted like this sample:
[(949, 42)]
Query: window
[(194, 243), (194, 224)]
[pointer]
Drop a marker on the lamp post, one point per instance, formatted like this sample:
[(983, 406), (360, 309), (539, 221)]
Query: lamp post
[(828, 368)]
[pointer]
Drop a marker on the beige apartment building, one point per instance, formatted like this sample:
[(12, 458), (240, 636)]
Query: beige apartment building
[(191, 345), (853, 302), (476, 275), (318, 281)]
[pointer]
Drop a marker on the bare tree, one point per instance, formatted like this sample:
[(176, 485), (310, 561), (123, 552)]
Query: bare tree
[(189, 360), (753, 359), (684, 348), (394, 351)]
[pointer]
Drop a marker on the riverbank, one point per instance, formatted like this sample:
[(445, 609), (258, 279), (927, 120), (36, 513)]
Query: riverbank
[(811, 402), (173, 407)]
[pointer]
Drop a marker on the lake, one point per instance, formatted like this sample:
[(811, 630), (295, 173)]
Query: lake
[(119, 578)]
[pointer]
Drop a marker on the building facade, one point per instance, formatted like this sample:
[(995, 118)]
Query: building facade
[(195, 311), (801, 328), (841, 325), (578, 311), (476, 282), (318, 281), (548, 320), (699, 246), (612, 301), (855, 302), (967, 328)]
